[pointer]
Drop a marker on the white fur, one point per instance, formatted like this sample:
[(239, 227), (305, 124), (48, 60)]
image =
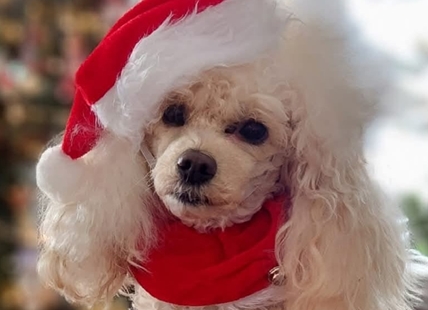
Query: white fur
[(59, 177), (342, 247), (87, 243), (338, 73), (270, 297), (231, 33)]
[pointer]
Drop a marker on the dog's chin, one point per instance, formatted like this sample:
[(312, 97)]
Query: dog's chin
[(198, 212), (192, 200), (188, 209)]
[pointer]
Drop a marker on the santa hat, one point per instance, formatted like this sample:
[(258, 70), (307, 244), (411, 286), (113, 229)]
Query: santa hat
[(157, 46)]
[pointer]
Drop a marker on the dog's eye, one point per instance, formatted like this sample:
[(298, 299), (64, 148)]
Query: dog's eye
[(175, 115), (254, 132)]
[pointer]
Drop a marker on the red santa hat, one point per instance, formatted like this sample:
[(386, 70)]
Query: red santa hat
[(157, 46)]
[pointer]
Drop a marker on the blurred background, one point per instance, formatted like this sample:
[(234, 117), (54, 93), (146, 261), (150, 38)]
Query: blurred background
[(42, 43)]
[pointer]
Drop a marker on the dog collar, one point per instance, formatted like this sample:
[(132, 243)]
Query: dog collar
[(189, 268)]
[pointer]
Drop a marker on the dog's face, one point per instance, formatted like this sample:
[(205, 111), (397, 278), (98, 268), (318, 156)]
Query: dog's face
[(219, 146)]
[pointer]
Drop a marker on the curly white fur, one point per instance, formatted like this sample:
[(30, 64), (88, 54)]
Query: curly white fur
[(87, 243), (343, 246)]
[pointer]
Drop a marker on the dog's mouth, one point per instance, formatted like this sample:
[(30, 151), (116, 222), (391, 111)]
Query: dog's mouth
[(191, 199)]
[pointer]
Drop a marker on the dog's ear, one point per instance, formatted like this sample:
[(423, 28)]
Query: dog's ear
[(343, 246), (92, 232)]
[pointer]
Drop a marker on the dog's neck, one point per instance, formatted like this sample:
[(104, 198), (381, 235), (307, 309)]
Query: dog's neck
[(219, 267)]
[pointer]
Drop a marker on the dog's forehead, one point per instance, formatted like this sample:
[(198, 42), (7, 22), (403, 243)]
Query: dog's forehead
[(237, 106), (227, 93)]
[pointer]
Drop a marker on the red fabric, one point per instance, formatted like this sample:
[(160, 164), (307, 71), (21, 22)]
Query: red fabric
[(99, 72), (82, 130), (190, 268)]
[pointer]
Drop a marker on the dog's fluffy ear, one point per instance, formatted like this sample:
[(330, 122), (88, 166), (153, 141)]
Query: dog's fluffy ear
[(88, 238), (343, 246)]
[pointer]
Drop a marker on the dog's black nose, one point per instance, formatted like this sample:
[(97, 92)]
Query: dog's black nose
[(196, 168)]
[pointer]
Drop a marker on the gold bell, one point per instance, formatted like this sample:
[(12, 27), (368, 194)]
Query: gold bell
[(275, 277)]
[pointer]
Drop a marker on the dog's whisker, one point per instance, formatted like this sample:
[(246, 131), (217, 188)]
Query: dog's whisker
[(147, 179)]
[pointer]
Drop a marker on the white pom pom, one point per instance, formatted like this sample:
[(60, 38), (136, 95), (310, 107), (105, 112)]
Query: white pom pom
[(60, 177)]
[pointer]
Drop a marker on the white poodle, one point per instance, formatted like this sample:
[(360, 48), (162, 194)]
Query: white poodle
[(200, 132)]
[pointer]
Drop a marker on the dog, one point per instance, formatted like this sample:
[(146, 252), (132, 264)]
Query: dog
[(277, 140)]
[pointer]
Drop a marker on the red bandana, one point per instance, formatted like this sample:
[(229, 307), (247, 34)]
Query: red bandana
[(196, 269)]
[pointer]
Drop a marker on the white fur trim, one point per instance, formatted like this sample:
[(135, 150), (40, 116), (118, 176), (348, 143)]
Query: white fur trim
[(59, 176), (232, 33)]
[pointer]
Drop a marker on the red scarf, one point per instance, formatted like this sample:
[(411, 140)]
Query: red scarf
[(196, 269)]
